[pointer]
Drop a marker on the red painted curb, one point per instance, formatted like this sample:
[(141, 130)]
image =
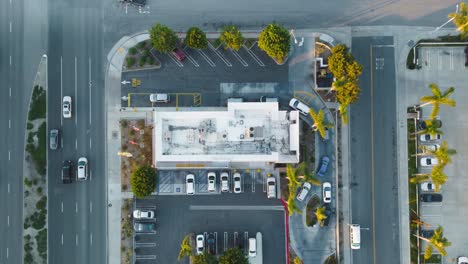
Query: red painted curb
[(286, 216)]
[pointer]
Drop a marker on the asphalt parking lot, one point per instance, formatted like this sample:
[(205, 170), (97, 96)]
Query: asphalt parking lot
[(197, 80), (232, 218)]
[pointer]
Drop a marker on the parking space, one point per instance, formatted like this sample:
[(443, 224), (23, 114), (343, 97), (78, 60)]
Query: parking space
[(202, 72), (172, 182), (229, 221), (442, 58)]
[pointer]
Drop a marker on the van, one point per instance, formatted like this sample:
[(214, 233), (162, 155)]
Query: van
[(159, 98), (299, 106), (355, 236)]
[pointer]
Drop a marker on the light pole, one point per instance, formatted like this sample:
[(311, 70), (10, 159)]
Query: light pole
[(448, 21), (295, 40)]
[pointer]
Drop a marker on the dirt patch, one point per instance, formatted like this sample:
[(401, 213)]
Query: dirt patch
[(126, 244), (312, 205), (137, 140)]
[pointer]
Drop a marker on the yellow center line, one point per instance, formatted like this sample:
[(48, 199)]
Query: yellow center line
[(372, 154)]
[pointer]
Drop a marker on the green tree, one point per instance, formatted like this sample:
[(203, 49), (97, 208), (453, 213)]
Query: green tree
[(163, 38), (204, 258), (233, 256), (297, 260), (320, 124), (337, 61), (443, 154), (185, 248), (143, 181), (432, 127), (438, 98), (437, 176), (320, 214), (231, 37), (460, 19), (437, 242), (196, 38), (294, 175), (275, 41)]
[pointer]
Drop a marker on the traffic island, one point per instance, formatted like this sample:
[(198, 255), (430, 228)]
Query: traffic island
[(141, 57), (35, 173)]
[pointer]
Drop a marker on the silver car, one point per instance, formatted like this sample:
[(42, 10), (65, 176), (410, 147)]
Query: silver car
[(54, 139)]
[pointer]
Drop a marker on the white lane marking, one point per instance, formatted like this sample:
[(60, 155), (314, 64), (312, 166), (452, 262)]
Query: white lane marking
[(61, 89), (10, 26), (9, 156), (8, 188), (8, 220), (90, 207), (10, 60), (90, 142), (62, 207), (76, 144), (76, 207), (91, 238), (7, 252), (9, 123), (242, 61), (212, 64), (62, 238), (10, 91), (76, 92), (76, 239), (90, 84)]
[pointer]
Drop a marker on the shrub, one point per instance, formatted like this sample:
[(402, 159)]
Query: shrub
[(231, 37), (149, 60), (37, 108), (27, 182), (34, 181), (233, 255), (31, 137), (29, 126), (41, 240), (124, 123), (146, 53), (275, 41), (196, 38), (163, 38), (141, 61), (141, 45), (41, 204), (143, 181), (132, 51), (130, 62), (38, 219), (39, 190), (38, 154)]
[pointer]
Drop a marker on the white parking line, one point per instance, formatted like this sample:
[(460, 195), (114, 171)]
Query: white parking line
[(91, 238), (8, 188), (62, 207), (7, 252), (62, 238), (242, 61), (210, 62), (225, 241), (236, 237), (216, 244), (90, 207), (8, 220), (10, 91), (10, 26), (175, 59), (10, 60), (9, 123), (192, 60), (219, 55), (9, 156), (253, 176), (90, 142), (76, 239), (76, 92), (146, 257), (76, 144), (76, 207), (145, 244), (257, 59)]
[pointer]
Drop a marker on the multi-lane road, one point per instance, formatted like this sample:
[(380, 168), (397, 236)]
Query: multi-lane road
[(77, 211)]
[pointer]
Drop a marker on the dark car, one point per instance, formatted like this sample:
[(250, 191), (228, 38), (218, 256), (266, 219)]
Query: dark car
[(426, 233), (67, 170), (323, 166), (422, 124), (211, 242), (431, 197), (466, 56), (54, 139), (144, 227), (178, 54), (328, 212)]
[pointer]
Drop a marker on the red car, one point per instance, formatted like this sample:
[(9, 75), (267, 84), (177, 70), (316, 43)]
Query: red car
[(178, 54)]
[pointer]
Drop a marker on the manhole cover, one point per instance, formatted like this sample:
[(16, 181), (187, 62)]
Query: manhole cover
[(115, 134)]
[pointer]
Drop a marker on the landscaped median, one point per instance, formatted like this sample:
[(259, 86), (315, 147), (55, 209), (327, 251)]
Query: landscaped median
[(35, 175)]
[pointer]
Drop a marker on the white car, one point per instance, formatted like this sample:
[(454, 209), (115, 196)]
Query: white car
[(67, 107), (190, 183), (211, 181), (427, 186), (462, 260), (252, 247), (304, 191), (224, 182), (432, 147), (271, 187), (299, 106), (200, 244), (82, 169), (237, 183), (429, 161), (143, 214), (326, 187), (159, 98), (429, 137)]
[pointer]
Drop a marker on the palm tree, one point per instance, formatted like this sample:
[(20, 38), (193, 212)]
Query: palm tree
[(300, 172), (438, 98), (320, 123), (443, 154), (320, 214), (460, 19), (432, 127), (343, 109), (437, 241), (437, 176), (185, 248)]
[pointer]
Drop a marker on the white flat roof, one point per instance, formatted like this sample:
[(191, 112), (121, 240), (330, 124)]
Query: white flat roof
[(244, 132)]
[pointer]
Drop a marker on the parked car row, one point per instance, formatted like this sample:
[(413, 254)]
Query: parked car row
[(144, 220), (225, 183)]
